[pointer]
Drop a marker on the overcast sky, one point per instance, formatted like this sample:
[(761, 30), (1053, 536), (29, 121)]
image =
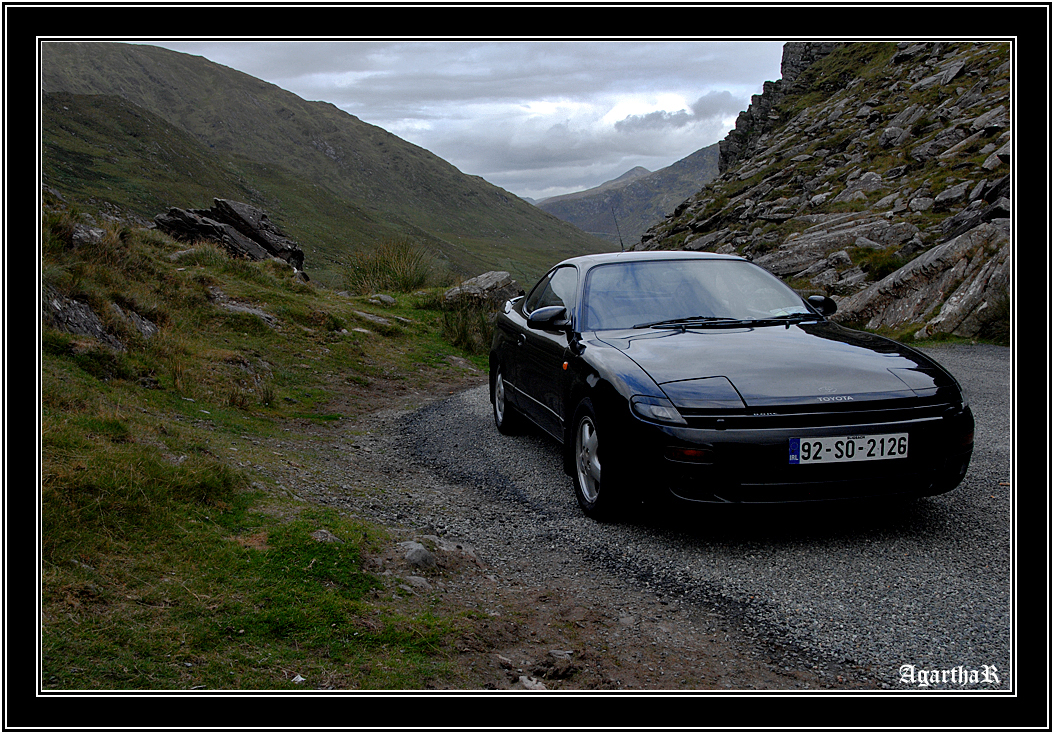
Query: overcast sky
[(536, 118)]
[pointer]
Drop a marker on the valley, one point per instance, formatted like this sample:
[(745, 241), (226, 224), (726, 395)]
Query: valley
[(219, 414)]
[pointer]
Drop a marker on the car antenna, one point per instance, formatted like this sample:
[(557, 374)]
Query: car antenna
[(617, 229)]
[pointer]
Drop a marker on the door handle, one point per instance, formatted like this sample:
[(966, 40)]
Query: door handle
[(521, 340)]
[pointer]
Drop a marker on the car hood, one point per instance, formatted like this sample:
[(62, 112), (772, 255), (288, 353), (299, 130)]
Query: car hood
[(812, 363)]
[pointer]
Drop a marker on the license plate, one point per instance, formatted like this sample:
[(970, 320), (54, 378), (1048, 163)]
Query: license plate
[(848, 448)]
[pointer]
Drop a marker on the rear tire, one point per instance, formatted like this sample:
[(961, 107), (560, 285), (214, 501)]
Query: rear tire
[(506, 418)]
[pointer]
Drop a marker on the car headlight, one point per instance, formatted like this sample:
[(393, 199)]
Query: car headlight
[(659, 410)]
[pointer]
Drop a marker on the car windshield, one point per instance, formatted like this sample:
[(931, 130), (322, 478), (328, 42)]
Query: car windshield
[(628, 295)]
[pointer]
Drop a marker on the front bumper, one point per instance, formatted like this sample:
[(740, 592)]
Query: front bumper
[(745, 464)]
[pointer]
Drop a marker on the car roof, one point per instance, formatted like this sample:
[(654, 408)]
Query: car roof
[(588, 261)]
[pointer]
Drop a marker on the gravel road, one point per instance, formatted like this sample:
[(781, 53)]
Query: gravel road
[(858, 588)]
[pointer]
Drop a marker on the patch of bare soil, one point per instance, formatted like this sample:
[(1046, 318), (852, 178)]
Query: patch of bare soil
[(592, 635), (517, 628)]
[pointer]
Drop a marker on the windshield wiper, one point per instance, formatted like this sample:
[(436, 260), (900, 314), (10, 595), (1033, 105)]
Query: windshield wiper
[(688, 322), (682, 322), (785, 318)]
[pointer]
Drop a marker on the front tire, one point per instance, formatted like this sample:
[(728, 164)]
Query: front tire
[(599, 497)]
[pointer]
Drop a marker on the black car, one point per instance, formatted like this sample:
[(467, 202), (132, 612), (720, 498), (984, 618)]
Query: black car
[(703, 377)]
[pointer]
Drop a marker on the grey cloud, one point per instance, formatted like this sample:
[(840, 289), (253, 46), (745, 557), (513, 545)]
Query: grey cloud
[(524, 115), (654, 121), (718, 104), (711, 106)]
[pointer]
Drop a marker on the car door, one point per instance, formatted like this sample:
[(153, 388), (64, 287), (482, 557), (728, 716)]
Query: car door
[(543, 352)]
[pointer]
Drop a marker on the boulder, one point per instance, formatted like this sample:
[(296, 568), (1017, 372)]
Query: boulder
[(987, 204), (84, 234), (188, 226), (254, 224), (493, 287), (417, 555), (78, 318), (943, 77), (892, 137), (951, 196)]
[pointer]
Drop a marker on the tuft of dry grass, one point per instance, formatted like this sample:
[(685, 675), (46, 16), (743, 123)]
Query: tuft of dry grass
[(398, 265)]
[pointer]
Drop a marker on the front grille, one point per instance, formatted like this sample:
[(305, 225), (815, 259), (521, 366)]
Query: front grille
[(810, 416)]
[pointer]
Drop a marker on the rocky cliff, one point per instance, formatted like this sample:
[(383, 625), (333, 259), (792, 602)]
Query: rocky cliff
[(876, 173)]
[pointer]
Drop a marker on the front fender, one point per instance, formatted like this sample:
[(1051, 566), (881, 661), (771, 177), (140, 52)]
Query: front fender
[(601, 363), (609, 378)]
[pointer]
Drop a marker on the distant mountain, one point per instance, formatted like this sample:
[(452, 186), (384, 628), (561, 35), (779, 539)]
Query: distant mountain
[(636, 200), (141, 129), (616, 183)]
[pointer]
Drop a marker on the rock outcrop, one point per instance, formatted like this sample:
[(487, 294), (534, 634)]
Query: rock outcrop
[(243, 230), (875, 173), (760, 115), (80, 319), (961, 280)]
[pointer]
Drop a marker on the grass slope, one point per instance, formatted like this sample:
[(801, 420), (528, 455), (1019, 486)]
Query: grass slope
[(171, 559), (279, 146)]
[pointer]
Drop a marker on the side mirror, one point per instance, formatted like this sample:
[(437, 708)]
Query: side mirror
[(549, 318), (824, 304)]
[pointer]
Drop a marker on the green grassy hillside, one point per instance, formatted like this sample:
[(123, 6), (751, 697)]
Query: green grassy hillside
[(151, 128), (174, 554), (105, 152)]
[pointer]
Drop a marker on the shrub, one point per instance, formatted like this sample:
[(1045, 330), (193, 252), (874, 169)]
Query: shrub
[(468, 325), (57, 232), (400, 266), (878, 263)]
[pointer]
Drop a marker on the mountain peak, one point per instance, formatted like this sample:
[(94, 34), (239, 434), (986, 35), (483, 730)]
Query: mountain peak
[(624, 207), (631, 174)]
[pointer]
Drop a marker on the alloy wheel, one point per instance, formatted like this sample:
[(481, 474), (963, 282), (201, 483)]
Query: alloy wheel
[(587, 460)]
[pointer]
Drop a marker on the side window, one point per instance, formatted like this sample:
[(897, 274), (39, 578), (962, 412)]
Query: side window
[(556, 289)]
